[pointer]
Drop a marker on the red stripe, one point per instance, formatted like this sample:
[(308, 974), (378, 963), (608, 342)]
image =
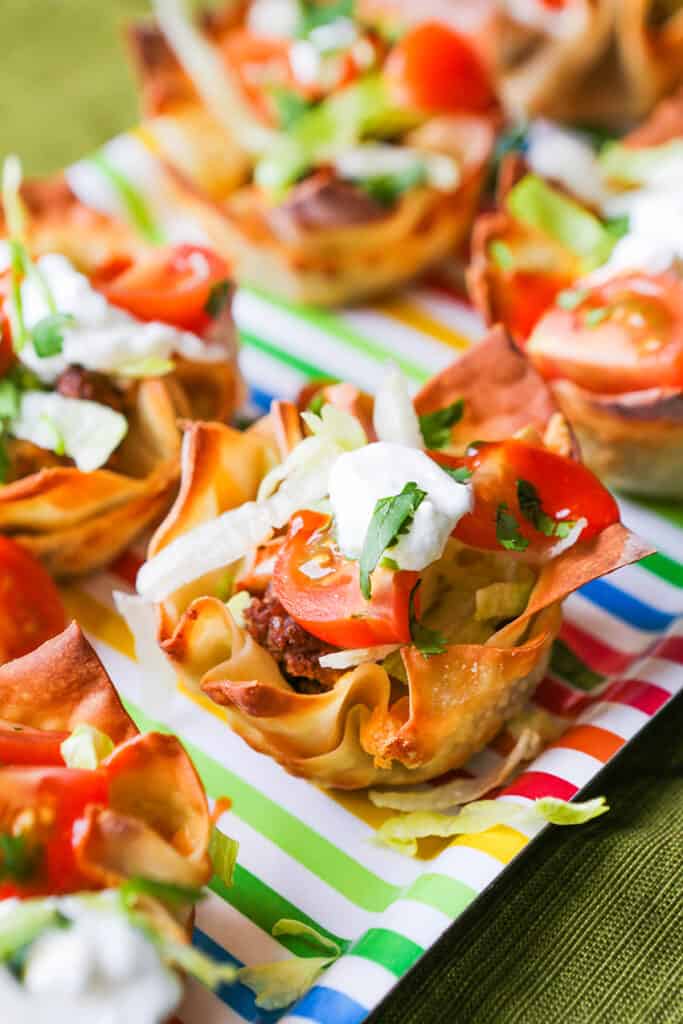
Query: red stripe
[(637, 694), (127, 566), (596, 654), (560, 699), (535, 784), (670, 647)]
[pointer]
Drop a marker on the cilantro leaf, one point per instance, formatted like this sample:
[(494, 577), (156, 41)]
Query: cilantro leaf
[(47, 336), (315, 14), (386, 189), (531, 508), (461, 475), (391, 517), (9, 399), (218, 296), (570, 298), (436, 426), (18, 860), (507, 530), (428, 641), (289, 106)]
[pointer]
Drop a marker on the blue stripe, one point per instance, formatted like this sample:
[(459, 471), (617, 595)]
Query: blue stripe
[(326, 1006), (239, 997), (626, 607), (259, 398)]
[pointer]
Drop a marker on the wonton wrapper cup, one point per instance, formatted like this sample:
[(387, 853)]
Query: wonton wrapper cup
[(368, 730), (157, 824), (633, 441), (74, 521), (610, 65)]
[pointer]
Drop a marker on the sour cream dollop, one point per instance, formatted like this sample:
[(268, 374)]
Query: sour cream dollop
[(359, 479), (101, 336), (99, 968)]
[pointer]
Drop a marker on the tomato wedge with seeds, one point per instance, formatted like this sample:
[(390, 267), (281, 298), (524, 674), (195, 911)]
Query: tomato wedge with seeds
[(57, 797), (435, 69), (320, 589), (566, 490), (31, 610), (172, 286), (624, 335), (19, 744)]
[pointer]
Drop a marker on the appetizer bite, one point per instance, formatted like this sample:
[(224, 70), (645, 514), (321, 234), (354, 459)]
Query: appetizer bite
[(371, 590), (104, 848), (105, 342), (360, 144), (588, 61), (31, 609), (582, 263)]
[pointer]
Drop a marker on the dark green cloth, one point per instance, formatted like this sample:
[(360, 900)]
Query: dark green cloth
[(586, 926)]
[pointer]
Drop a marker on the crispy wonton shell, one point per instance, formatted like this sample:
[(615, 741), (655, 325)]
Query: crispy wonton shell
[(73, 521), (158, 824), (610, 65), (368, 730)]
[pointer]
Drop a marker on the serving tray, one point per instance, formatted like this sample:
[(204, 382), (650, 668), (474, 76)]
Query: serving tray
[(309, 854)]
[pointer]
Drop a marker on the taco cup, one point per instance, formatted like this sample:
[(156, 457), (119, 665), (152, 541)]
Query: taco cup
[(88, 422), (409, 127), (105, 846), (349, 690), (583, 266)]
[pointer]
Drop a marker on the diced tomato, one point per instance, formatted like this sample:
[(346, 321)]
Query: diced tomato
[(31, 610), (524, 297), (6, 349), (566, 490), (173, 285), (320, 589), (625, 335), (435, 69), (21, 745), (54, 798)]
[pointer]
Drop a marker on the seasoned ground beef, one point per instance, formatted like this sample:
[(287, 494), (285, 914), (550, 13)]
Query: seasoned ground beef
[(293, 648), (75, 382)]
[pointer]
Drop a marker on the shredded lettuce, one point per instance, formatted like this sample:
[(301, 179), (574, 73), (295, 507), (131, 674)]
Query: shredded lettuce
[(86, 431), (237, 605), (278, 984), (537, 204), (21, 921), (501, 600), (223, 852), (86, 747), (193, 961), (289, 926), (394, 417), (151, 366), (359, 656), (646, 165), (402, 832)]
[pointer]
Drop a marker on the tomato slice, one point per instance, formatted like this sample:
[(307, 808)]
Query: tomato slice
[(624, 335), (435, 69), (566, 491), (320, 589), (172, 286), (524, 297), (20, 744), (31, 610), (55, 798)]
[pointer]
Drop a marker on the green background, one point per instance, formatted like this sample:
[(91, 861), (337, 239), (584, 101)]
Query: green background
[(587, 925)]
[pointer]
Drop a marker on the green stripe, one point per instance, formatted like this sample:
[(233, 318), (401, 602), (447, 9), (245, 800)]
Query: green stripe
[(391, 950), (445, 894), (666, 568), (262, 905), (671, 510), (313, 851), (134, 202), (336, 328), (251, 341)]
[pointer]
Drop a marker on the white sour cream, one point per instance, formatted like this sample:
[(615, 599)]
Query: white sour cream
[(85, 431), (375, 160), (101, 337), (360, 478), (99, 970), (277, 18)]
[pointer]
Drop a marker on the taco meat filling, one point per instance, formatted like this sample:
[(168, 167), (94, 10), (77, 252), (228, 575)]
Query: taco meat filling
[(89, 385), (295, 650)]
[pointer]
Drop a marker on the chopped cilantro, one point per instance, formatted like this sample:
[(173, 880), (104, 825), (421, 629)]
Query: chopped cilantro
[(316, 403), (570, 298), (18, 859), (461, 475), (507, 530), (289, 106), (531, 508), (428, 641), (391, 517), (315, 14), (218, 296), (436, 426), (47, 336)]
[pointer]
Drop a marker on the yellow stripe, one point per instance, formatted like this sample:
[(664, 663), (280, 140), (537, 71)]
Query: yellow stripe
[(99, 620), (501, 842), (146, 138), (202, 701), (412, 315)]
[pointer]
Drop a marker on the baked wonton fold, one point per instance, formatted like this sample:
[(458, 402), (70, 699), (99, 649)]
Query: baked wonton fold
[(369, 729), (157, 823), (587, 61), (73, 521)]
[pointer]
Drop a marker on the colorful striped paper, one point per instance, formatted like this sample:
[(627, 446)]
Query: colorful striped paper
[(309, 854)]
